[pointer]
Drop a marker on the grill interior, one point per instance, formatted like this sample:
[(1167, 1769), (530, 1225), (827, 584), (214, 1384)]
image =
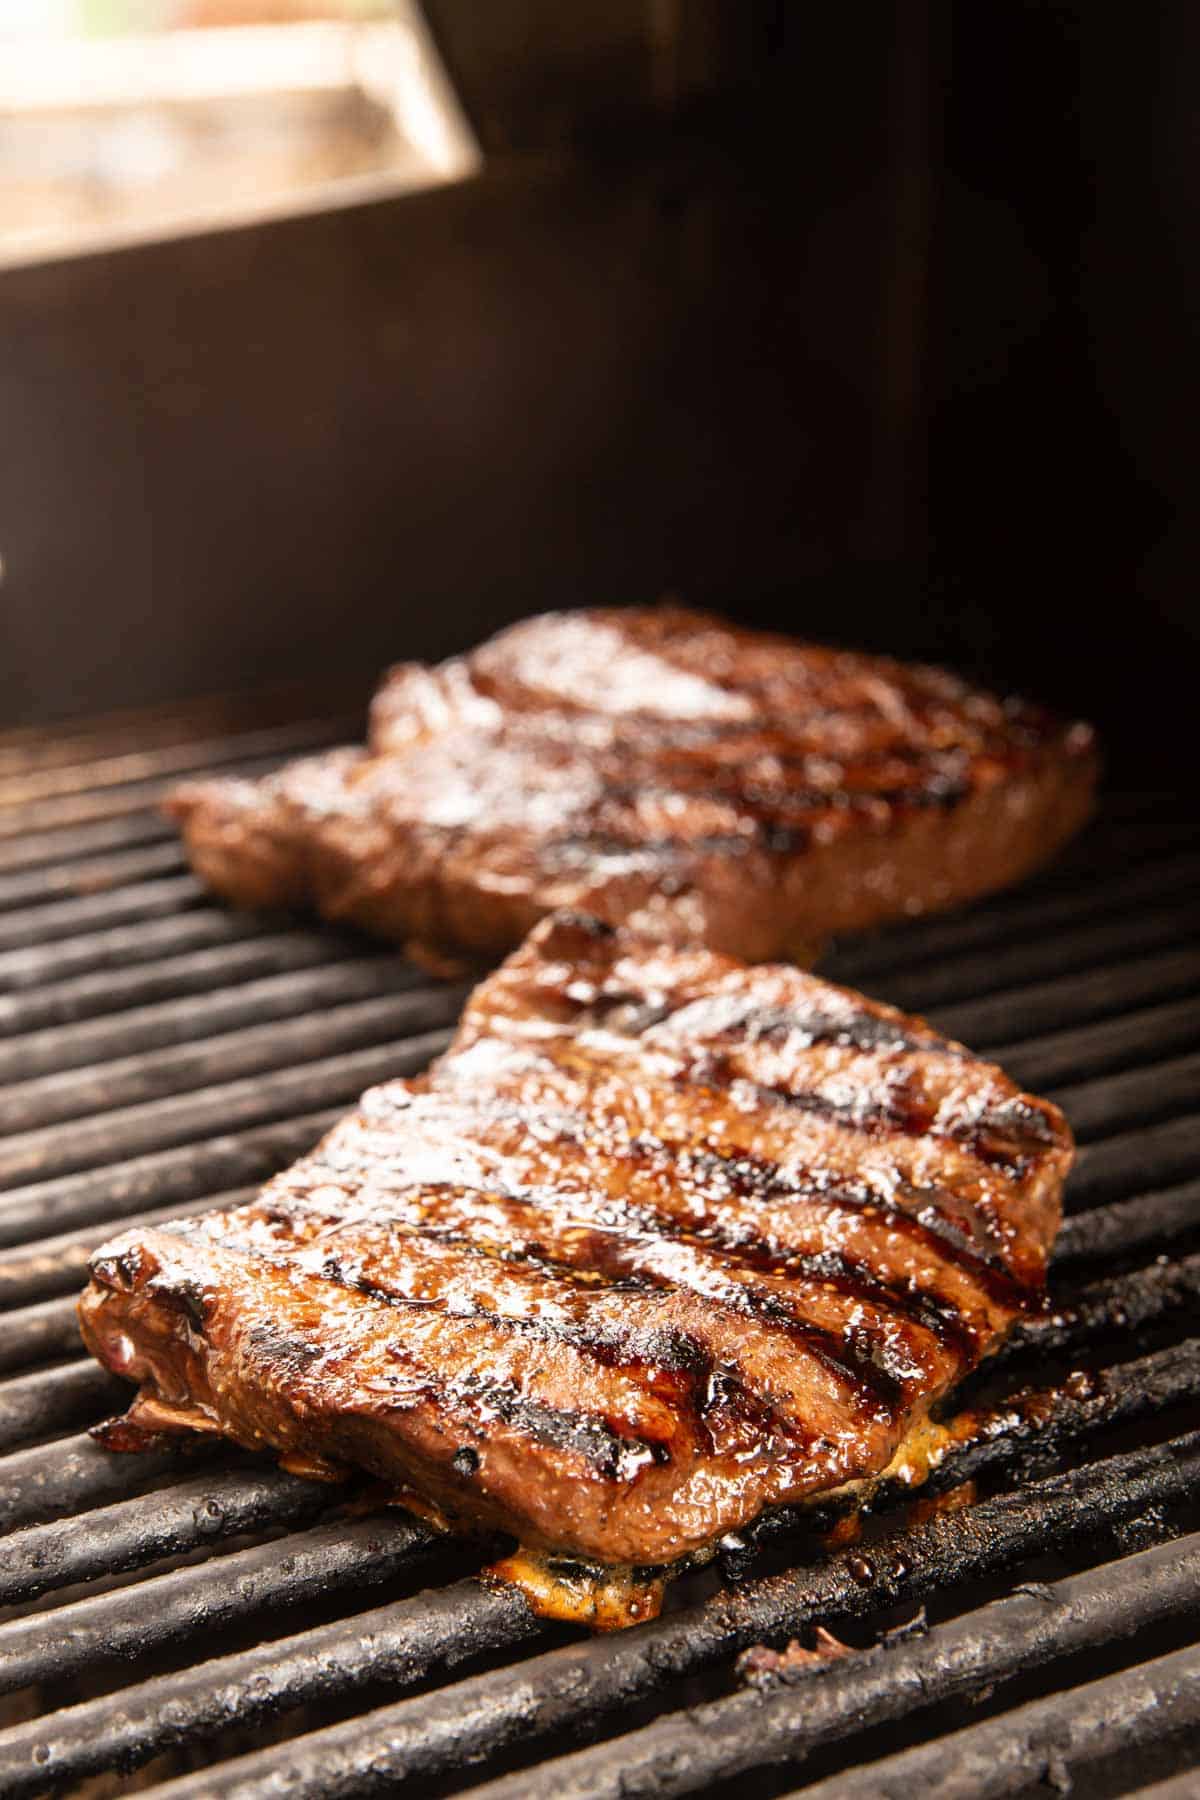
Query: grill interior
[(204, 1621)]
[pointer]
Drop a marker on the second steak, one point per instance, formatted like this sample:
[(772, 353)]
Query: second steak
[(661, 769)]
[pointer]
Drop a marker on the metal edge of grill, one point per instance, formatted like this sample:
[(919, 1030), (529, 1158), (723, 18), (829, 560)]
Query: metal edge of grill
[(221, 1626)]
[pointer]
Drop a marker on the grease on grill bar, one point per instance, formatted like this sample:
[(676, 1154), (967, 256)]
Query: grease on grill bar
[(1086, 983)]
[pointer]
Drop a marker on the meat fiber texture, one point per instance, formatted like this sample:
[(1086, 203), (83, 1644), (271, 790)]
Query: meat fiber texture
[(660, 769), (662, 1241)]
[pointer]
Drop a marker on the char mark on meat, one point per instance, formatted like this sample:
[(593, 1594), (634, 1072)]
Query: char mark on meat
[(716, 785), (646, 1253)]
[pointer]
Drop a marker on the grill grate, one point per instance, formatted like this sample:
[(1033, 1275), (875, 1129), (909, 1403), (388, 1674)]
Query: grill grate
[(224, 1627)]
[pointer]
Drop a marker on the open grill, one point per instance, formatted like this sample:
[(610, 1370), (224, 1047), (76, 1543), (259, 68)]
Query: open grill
[(220, 1626)]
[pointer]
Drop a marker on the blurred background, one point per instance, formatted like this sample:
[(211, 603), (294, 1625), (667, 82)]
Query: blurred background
[(334, 333)]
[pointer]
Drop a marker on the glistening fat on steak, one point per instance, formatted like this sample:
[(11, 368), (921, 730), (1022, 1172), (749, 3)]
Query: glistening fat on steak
[(662, 1241), (660, 769)]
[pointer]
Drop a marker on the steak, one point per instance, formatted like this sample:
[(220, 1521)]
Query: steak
[(662, 1241), (657, 768)]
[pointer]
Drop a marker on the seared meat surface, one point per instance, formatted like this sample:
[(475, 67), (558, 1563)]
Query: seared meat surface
[(657, 768), (661, 1241)]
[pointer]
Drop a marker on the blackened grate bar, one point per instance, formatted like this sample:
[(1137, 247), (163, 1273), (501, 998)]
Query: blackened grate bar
[(168, 1522), (106, 1193), (159, 1054), (1068, 1735), (276, 977), (685, 1754), (137, 1130), (579, 1687), (343, 1021)]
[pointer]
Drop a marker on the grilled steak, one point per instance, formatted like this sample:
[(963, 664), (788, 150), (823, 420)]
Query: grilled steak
[(657, 768), (660, 1242)]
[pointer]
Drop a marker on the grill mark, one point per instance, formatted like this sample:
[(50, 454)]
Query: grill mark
[(709, 1388), (980, 1256), (761, 1179), (982, 1138), (847, 1360), (773, 830), (613, 1232), (933, 1313), (705, 1391), (670, 1349), (613, 1456), (573, 848), (781, 805), (632, 1014)]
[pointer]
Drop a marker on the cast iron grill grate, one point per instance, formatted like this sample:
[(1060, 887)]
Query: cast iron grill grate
[(210, 1623)]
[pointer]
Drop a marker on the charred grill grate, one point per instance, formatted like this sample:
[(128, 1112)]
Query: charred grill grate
[(223, 1627)]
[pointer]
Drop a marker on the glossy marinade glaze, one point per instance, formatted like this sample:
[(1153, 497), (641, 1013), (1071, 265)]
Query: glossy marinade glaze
[(661, 1241), (661, 769)]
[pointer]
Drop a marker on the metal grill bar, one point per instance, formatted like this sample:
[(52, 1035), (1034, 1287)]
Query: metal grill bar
[(51, 1264), (45, 849), (101, 1194), (1123, 1303), (578, 1687), (159, 899), (243, 1585), (181, 983), (1051, 956), (1138, 1708), (1178, 1787), (122, 947), (1023, 1012), (244, 755), (140, 1129), (1165, 1153), (73, 1474), (167, 762), (402, 1643), (169, 722), (1126, 1225), (1042, 1422), (1113, 1102), (38, 1334), (168, 1522), (100, 874), (1023, 915), (52, 1400), (687, 1752), (1119, 1043), (213, 1014), (130, 1082)]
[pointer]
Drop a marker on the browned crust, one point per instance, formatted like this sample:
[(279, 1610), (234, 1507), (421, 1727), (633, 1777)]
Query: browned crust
[(327, 835), (661, 1241)]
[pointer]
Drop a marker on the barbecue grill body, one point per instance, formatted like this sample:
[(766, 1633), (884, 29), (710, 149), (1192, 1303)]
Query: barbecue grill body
[(232, 1627)]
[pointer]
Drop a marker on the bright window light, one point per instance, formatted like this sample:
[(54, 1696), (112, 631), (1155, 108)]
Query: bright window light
[(122, 120)]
